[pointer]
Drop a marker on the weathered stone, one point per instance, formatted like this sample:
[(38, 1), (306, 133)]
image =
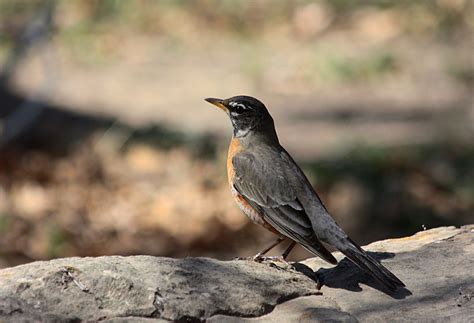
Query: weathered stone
[(436, 265), (143, 286)]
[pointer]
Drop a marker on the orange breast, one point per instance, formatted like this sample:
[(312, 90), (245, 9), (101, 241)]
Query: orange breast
[(234, 148)]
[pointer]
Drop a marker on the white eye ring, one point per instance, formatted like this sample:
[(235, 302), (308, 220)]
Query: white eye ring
[(237, 104)]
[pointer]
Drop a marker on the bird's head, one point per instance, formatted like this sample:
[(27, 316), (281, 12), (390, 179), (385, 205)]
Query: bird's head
[(246, 113)]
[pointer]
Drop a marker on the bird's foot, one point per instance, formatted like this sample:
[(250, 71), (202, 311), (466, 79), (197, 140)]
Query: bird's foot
[(261, 259)]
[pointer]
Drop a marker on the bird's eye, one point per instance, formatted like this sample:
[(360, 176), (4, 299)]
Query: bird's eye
[(238, 107)]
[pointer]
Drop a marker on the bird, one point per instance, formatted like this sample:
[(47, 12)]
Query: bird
[(272, 190)]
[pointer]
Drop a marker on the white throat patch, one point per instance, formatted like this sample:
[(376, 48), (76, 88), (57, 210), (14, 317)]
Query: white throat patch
[(242, 132)]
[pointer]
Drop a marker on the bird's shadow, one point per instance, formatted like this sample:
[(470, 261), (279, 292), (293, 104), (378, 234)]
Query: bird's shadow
[(346, 275)]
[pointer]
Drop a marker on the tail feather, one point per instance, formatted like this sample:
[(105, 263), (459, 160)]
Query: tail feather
[(318, 249), (372, 266)]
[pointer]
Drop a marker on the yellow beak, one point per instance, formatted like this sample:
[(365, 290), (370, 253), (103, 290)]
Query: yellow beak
[(218, 103)]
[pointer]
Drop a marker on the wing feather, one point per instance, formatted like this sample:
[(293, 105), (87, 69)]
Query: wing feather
[(269, 191)]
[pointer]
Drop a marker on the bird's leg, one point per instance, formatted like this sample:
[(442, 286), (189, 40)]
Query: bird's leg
[(259, 256), (281, 258), (288, 250)]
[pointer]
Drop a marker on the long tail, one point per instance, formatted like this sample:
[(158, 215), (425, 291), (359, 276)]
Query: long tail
[(372, 266)]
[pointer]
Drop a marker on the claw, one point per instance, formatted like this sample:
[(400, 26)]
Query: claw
[(261, 258), (273, 259), (258, 258)]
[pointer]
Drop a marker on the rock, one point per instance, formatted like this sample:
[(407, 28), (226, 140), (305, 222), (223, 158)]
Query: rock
[(143, 286), (436, 266)]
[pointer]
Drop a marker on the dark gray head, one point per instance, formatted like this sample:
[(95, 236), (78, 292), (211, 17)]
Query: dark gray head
[(246, 113)]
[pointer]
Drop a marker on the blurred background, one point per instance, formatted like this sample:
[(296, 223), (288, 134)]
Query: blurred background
[(107, 147)]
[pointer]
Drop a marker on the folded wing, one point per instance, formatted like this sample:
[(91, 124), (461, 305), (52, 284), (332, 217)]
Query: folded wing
[(268, 191)]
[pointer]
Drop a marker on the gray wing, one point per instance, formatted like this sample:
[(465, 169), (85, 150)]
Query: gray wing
[(270, 192)]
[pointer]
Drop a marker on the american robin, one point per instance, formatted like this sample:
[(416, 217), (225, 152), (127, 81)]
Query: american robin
[(273, 191)]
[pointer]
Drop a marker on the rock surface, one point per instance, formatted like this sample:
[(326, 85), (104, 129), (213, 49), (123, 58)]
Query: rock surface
[(436, 265)]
